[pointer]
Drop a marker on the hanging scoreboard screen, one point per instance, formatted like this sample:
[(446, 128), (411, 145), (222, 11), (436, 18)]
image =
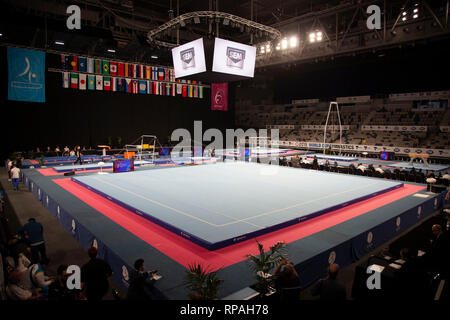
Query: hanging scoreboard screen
[(189, 58), (234, 58)]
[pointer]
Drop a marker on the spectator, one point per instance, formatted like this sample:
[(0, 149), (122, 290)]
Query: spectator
[(412, 281), (379, 169), (58, 290), (361, 167), (431, 174), (15, 176), (57, 150), (35, 278), (286, 279), (66, 151), (33, 233), (315, 162), (330, 288), (72, 153), (9, 164), (141, 282), (94, 276), (15, 291), (438, 256)]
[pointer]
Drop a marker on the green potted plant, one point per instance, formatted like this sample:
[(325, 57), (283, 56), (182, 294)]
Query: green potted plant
[(264, 262), (204, 285)]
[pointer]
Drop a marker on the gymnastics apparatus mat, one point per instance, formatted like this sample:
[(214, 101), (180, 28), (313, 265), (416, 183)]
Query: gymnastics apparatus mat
[(221, 204)]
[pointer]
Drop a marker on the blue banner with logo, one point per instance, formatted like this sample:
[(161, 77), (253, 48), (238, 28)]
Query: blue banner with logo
[(26, 75)]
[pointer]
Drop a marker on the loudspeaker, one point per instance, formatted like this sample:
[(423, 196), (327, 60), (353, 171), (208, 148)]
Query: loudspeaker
[(71, 173)]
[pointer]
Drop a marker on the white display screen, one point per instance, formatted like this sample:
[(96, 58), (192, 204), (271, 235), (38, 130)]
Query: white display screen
[(189, 58), (234, 58)]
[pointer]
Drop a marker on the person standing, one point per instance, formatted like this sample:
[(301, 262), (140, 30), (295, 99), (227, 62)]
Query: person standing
[(15, 176), (78, 155), (33, 233), (94, 276)]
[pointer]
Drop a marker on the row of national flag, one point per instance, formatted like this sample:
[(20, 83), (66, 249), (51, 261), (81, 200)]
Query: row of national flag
[(82, 81), (113, 68)]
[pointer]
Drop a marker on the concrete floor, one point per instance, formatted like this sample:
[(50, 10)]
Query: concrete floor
[(61, 247)]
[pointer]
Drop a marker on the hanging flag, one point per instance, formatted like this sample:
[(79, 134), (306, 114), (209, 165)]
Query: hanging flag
[(154, 73), (148, 72), (179, 88), (82, 67), (152, 87), (200, 92), (161, 74), (107, 83), (65, 78), (128, 85), (113, 68), (195, 91), (135, 86), (74, 80), (149, 87), (142, 86), (98, 82), (105, 66), (185, 91), (82, 85), (113, 84), (63, 62), (141, 71), (120, 84), (98, 66), (219, 96), (120, 69), (166, 74), (74, 63), (90, 65), (134, 70), (26, 75), (157, 88), (167, 89), (91, 82)]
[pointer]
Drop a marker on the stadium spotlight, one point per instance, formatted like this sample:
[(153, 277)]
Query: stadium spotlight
[(268, 47), (111, 50), (196, 20), (284, 44), (262, 49), (315, 36), (61, 43), (293, 42), (278, 47)]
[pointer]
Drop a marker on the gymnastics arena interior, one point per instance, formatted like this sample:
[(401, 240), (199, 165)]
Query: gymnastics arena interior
[(339, 148)]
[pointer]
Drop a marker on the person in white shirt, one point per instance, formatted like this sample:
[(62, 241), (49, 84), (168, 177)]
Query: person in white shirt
[(15, 175), (361, 167), (15, 291), (72, 153), (66, 151), (379, 169)]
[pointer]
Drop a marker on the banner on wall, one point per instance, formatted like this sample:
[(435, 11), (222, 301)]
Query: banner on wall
[(361, 148), (26, 75), (219, 96), (395, 128)]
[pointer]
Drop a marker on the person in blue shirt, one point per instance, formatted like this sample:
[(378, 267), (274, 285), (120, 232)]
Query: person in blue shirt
[(33, 234)]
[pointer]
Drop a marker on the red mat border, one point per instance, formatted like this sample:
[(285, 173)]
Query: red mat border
[(185, 252)]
